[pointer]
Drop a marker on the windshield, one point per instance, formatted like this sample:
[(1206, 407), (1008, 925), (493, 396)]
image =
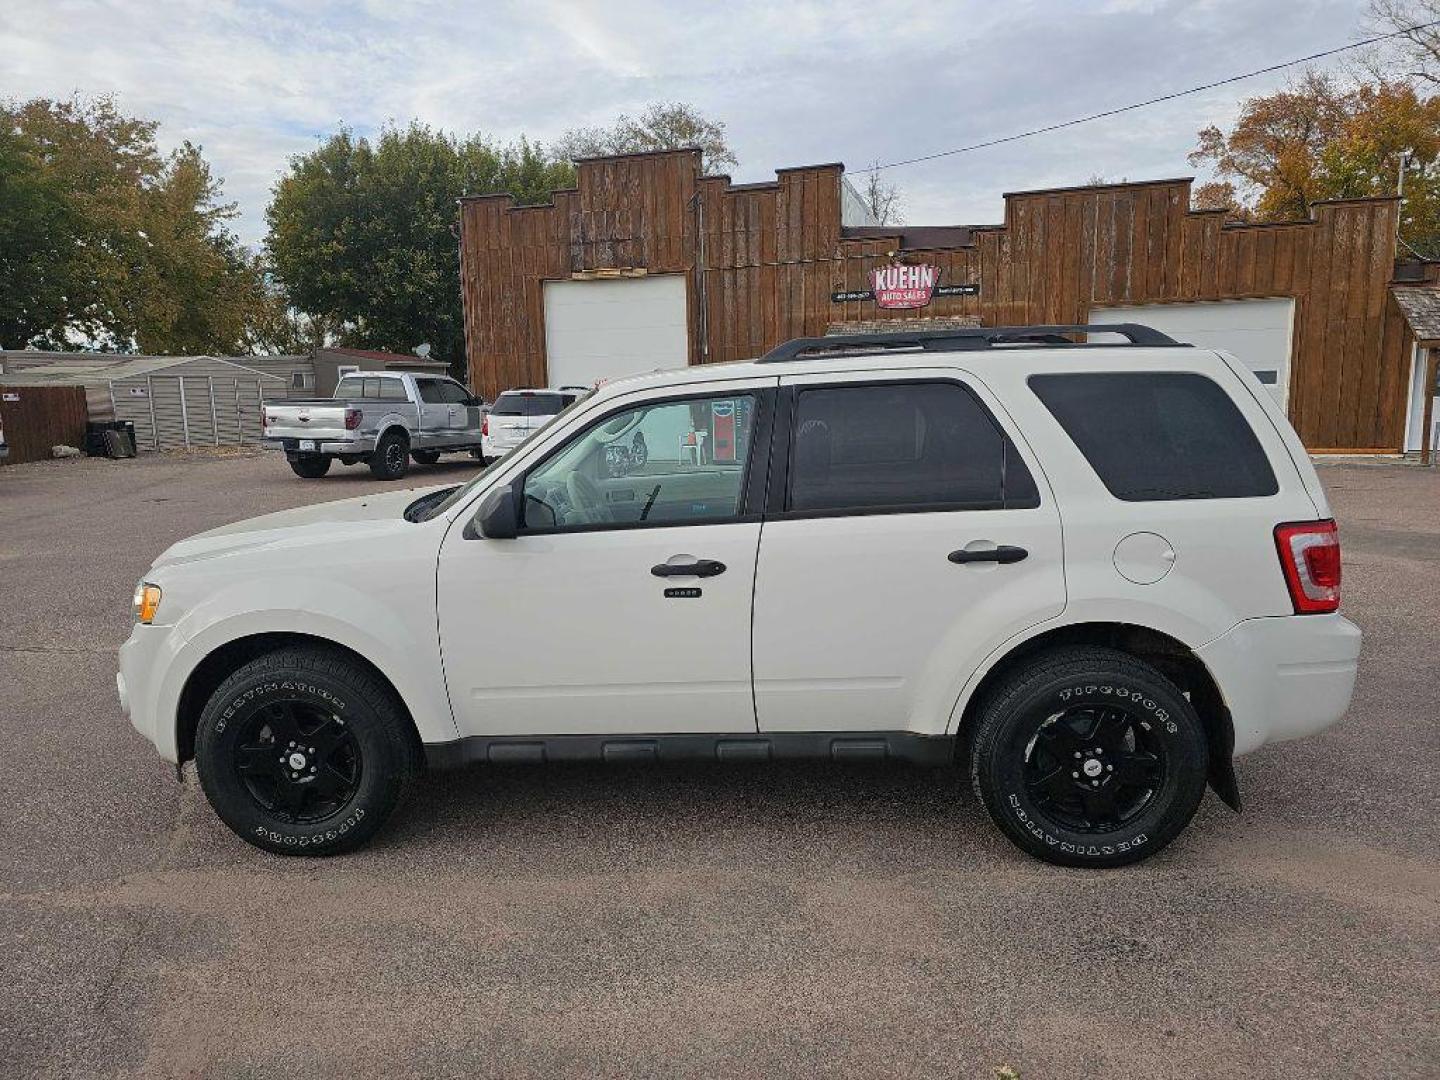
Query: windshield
[(464, 490)]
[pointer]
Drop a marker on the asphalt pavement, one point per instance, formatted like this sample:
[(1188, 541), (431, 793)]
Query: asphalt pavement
[(671, 921)]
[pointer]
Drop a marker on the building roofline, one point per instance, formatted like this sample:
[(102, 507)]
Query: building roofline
[(1099, 187)]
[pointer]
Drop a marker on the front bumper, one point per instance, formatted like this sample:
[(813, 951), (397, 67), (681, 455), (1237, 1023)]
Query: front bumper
[(144, 659), (1284, 677)]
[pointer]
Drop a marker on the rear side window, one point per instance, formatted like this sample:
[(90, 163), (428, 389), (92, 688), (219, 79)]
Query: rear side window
[(906, 446), (391, 389), (1153, 436)]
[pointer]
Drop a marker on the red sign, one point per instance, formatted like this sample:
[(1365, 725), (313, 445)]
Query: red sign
[(722, 430), (904, 286)]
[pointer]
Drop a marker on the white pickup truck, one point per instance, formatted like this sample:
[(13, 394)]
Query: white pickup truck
[(384, 418)]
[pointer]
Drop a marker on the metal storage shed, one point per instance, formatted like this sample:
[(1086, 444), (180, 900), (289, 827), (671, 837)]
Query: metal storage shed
[(175, 402)]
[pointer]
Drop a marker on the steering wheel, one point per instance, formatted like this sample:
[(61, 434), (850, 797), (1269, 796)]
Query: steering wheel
[(586, 498)]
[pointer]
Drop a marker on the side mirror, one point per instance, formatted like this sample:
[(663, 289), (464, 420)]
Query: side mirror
[(498, 518)]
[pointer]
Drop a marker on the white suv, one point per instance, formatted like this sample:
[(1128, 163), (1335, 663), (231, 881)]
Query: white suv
[(518, 414), (1090, 575)]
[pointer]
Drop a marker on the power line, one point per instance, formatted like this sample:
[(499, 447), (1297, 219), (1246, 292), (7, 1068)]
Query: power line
[(1152, 101)]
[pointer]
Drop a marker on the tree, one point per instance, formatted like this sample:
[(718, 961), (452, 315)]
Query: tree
[(1415, 55), (881, 198), (362, 236), (104, 243), (664, 125), (1321, 139)]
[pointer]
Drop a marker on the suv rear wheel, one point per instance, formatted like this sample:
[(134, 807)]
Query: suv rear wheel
[(304, 752), (1089, 757), (391, 459)]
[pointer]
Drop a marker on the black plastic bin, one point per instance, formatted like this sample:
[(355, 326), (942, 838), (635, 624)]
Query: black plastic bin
[(95, 435)]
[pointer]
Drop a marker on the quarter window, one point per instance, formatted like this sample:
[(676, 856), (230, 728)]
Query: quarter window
[(666, 463), (1154, 436), (906, 446)]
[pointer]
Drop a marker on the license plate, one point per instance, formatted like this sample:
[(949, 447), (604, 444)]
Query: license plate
[(307, 444)]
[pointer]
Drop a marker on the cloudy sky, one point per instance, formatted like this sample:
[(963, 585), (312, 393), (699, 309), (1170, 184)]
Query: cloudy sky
[(796, 82)]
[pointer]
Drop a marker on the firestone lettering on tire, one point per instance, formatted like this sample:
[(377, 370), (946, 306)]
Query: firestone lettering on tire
[(1036, 830), (301, 841)]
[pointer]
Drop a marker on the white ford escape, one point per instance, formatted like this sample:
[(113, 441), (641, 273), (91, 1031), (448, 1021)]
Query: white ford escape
[(1089, 575)]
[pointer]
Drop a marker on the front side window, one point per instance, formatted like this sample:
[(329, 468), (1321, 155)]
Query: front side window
[(452, 393), (902, 446), (665, 463), (1156, 435), (430, 391)]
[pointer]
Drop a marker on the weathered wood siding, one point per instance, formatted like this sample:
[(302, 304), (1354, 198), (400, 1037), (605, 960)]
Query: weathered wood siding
[(40, 418), (762, 260)]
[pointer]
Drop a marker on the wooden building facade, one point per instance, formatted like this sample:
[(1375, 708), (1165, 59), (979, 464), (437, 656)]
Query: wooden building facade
[(762, 263)]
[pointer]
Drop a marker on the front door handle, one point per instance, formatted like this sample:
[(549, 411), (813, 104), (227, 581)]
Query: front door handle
[(698, 568), (1005, 553)]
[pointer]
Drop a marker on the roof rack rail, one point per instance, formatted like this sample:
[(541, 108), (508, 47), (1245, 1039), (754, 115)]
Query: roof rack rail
[(977, 337)]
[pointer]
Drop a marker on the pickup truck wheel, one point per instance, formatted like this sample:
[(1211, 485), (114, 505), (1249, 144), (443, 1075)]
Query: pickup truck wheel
[(1089, 757), (391, 459), (310, 468), (303, 752), (425, 457)]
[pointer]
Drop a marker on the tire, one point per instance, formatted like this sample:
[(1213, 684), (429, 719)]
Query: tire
[(310, 468), (391, 459), (479, 455), (256, 736), (425, 457), (1039, 758)]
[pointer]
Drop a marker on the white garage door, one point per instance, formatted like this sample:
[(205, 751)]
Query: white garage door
[(606, 329), (1258, 332)]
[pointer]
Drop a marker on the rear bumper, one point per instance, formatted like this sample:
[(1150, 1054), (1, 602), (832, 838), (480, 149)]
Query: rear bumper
[(347, 447), (1284, 677)]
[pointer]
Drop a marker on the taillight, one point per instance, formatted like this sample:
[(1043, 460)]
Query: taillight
[(485, 424), (1310, 557), (352, 419)]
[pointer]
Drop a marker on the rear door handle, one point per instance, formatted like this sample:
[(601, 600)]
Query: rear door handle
[(1005, 553), (698, 568)]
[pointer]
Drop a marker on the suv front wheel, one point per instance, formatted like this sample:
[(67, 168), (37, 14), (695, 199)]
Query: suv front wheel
[(303, 751), (1089, 757)]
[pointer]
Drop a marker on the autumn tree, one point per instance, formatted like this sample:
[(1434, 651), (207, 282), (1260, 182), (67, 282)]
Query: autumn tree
[(663, 125), (107, 243), (363, 239), (1320, 139)]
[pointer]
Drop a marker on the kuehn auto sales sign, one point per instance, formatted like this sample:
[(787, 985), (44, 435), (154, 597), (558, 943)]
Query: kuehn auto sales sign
[(904, 286)]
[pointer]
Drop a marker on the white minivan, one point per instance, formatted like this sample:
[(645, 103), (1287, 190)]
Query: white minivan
[(1086, 575)]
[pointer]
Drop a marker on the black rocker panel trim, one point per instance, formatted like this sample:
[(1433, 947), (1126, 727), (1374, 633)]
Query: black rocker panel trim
[(736, 746)]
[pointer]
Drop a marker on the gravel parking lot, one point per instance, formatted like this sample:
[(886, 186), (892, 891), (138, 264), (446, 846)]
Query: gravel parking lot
[(806, 920)]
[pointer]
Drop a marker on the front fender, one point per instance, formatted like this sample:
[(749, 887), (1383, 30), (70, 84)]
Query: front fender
[(399, 641)]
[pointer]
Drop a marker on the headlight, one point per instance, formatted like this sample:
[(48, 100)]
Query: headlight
[(147, 602)]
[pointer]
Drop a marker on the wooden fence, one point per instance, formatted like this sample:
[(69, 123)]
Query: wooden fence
[(36, 418)]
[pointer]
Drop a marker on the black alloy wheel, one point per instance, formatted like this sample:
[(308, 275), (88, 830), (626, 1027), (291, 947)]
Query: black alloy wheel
[(391, 459), (299, 763), (1088, 756), (305, 751), (1093, 768)]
